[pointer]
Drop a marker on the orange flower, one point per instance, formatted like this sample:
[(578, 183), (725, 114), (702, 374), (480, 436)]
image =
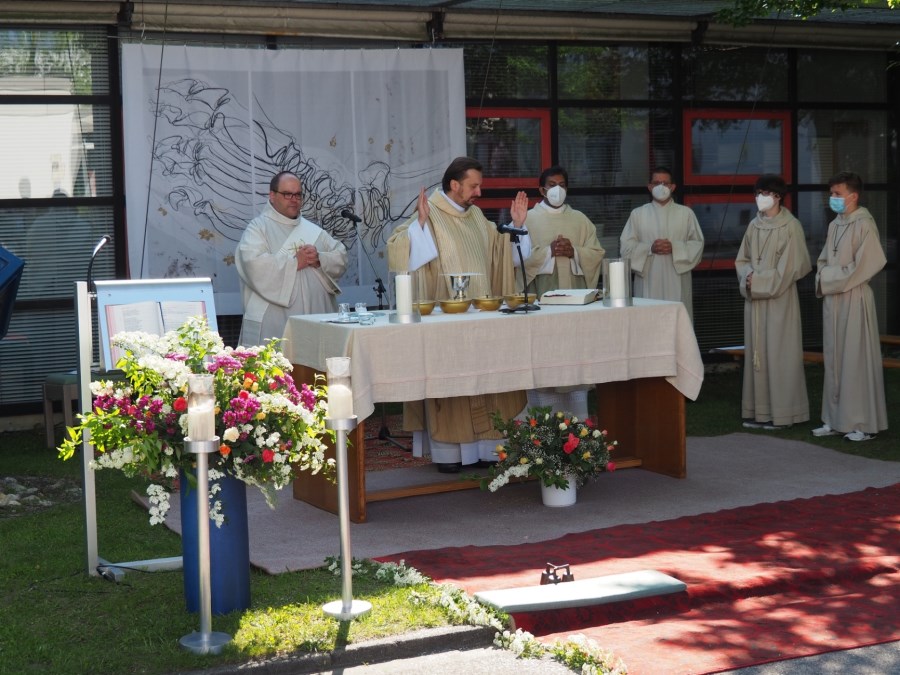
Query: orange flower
[(224, 450), (532, 421)]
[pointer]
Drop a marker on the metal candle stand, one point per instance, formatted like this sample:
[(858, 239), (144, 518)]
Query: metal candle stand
[(345, 609), (206, 641)]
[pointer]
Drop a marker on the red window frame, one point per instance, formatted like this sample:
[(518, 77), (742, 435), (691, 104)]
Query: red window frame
[(690, 116), (542, 114)]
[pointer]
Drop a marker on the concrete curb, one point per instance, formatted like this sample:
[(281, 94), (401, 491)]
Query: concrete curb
[(407, 645)]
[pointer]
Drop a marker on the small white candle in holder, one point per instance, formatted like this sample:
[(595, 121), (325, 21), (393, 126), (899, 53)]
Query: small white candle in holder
[(202, 421), (340, 396), (340, 401), (404, 294), (617, 280)]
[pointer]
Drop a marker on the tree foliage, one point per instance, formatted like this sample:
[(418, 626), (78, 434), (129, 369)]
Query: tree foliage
[(743, 12)]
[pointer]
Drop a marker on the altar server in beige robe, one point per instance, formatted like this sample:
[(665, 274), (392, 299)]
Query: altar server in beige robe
[(450, 235), (566, 252), (287, 265), (853, 400), (773, 256), (664, 243)]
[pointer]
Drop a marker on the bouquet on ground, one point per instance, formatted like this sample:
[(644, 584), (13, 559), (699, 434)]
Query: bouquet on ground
[(269, 429), (555, 447)]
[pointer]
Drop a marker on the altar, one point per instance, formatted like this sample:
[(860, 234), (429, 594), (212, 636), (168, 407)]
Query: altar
[(643, 360)]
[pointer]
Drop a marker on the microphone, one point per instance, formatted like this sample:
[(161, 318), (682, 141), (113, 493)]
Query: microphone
[(349, 215), (509, 229), (104, 240)]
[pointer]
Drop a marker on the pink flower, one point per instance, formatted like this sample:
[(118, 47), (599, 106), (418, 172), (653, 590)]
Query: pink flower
[(610, 466), (571, 444)]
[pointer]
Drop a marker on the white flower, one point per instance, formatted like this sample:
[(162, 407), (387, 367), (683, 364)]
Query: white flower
[(231, 434), (562, 426)]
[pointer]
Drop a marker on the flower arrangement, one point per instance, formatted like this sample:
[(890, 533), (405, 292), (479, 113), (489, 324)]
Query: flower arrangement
[(551, 446), (269, 428)]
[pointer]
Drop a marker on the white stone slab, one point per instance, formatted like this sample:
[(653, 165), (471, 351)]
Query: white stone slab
[(582, 593)]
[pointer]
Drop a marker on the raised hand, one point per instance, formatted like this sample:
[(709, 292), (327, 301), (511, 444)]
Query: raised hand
[(423, 207), (518, 209)]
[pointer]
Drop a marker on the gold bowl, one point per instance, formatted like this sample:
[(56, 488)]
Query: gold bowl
[(455, 306), (487, 303), (513, 301), (425, 307)]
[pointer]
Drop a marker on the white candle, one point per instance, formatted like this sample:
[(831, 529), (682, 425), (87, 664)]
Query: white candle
[(202, 421), (617, 280), (404, 294), (340, 402)]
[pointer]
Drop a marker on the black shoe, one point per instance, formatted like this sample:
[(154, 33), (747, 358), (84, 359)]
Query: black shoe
[(452, 467), (484, 464)]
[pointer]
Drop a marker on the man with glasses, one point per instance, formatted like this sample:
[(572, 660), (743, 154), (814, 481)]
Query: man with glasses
[(664, 243), (287, 265)]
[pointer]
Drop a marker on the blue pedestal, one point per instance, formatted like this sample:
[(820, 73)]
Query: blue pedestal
[(229, 549)]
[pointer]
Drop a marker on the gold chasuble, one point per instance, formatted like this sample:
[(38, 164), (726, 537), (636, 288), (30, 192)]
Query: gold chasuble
[(466, 242)]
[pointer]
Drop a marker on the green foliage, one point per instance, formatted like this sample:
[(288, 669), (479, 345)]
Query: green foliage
[(743, 12)]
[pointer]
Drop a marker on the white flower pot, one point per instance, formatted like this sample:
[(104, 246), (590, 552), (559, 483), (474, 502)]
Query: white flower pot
[(554, 496)]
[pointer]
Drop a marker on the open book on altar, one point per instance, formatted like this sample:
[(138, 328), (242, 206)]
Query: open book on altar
[(151, 317), (571, 296)]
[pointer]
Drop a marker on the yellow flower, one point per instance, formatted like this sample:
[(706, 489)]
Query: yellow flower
[(260, 415), (523, 460), (584, 432), (586, 455)]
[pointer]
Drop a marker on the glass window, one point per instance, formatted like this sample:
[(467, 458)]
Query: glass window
[(505, 71), (852, 76), (59, 149), (614, 73), (735, 147), (723, 219), (830, 141), (610, 147), (729, 73), (512, 145), (53, 62)]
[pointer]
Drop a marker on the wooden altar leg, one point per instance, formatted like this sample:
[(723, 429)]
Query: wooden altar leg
[(321, 492), (647, 418)]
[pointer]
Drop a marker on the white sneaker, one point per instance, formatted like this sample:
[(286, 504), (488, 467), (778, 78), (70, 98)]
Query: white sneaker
[(824, 430), (857, 435), (750, 424), (775, 427)]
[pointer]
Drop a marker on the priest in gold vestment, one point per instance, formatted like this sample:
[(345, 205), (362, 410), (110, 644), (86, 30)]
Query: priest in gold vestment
[(448, 234)]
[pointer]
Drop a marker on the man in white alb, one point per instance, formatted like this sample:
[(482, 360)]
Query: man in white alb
[(664, 243), (287, 265)]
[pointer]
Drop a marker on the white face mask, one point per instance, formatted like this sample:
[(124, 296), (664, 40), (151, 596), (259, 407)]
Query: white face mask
[(556, 196), (764, 202), (661, 192)]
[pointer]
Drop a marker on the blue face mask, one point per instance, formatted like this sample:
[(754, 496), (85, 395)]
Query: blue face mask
[(836, 204)]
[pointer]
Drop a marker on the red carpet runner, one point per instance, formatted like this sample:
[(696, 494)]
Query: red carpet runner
[(765, 582)]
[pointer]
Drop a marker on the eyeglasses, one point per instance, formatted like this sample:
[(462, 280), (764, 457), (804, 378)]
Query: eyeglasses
[(295, 196)]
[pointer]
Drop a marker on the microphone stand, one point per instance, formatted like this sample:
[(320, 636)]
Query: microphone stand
[(525, 306), (384, 433)]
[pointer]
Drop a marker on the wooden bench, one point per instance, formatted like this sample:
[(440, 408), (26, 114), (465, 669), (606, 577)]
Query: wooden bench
[(737, 353)]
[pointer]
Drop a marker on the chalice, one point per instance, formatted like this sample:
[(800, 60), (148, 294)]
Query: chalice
[(459, 283)]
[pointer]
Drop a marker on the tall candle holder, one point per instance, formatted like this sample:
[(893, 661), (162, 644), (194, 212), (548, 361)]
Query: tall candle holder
[(341, 419), (202, 442), (617, 282)]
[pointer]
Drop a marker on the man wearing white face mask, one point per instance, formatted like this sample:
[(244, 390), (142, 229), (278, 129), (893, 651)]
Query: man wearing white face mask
[(853, 402), (566, 254), (772, 258), (664, 242), (565, 250)]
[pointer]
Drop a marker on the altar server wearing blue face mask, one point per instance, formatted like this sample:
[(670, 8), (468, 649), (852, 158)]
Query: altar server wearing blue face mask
[(853, 402)]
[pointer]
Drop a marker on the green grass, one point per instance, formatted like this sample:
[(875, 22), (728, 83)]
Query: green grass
[(717, 411), (54, 618)]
